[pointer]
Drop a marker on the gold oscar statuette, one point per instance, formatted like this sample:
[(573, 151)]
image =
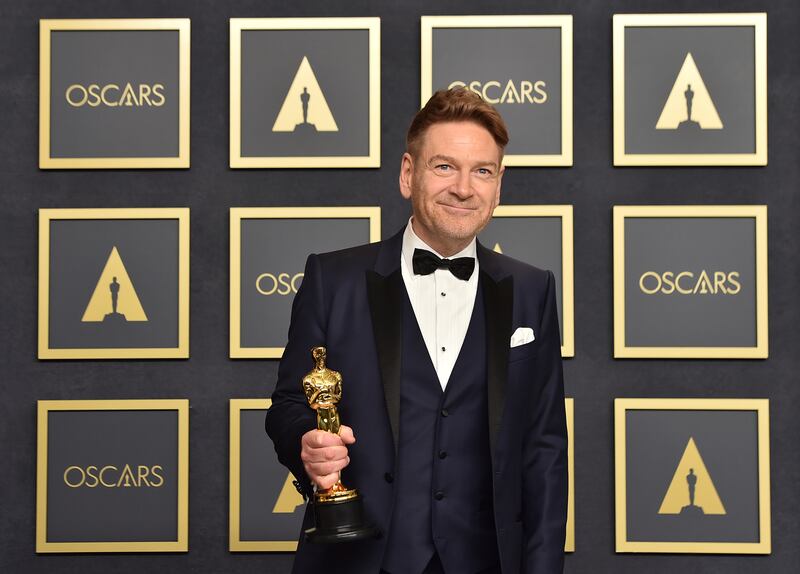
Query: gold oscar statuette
[(338, 510)]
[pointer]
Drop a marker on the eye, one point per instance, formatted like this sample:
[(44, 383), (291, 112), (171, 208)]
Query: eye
[(484, 172), (443, 167)]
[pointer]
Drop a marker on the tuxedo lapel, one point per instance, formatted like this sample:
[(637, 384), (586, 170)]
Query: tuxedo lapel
[(498, 298), (385, 294)]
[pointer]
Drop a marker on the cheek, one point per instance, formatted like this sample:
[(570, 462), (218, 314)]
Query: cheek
[(496, 196)]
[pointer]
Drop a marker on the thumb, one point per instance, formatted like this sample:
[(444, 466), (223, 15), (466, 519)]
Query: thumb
[(346, 434)]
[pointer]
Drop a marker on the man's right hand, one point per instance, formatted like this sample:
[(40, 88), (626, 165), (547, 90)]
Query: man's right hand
[(324, 455)]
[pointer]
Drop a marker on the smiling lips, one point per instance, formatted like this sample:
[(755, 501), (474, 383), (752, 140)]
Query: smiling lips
[(458, 208)]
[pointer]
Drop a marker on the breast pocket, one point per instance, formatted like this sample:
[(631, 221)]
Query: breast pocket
[(522, 352)]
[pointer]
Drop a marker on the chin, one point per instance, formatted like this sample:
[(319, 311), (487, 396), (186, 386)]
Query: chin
[(460, 232)]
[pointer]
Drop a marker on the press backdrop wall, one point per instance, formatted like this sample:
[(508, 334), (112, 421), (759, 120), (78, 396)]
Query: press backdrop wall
[(209, 378)]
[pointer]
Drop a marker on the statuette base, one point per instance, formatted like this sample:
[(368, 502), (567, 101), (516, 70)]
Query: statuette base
[(339, 520)]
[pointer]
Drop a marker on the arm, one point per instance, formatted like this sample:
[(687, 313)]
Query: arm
[(544, 455), (290, 417)]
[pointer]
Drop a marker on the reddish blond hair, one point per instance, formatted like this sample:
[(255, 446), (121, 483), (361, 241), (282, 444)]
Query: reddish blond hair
[(456, 105)]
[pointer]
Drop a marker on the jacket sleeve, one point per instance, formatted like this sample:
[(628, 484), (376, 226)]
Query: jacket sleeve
[(544, 455), (290, 417)]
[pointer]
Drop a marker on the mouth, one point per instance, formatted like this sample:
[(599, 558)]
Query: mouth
[(457, 209)]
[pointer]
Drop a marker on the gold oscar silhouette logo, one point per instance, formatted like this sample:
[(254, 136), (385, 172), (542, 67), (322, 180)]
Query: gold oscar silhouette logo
[(305, 109), (114, 292), (497, 248), (288, 499), (691, 483), (689, 105)]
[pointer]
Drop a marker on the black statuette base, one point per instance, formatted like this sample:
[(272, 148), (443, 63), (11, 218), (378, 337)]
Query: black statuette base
[(340, 522)]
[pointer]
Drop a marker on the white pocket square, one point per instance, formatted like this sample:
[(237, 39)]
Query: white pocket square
[(522, 336)]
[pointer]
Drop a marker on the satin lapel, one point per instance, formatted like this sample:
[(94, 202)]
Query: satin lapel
[(498, 298), (386, 305)]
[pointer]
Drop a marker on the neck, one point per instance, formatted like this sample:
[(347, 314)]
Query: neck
[(444, 246)]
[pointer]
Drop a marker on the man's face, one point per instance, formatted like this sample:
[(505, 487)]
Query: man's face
[(453, 184)]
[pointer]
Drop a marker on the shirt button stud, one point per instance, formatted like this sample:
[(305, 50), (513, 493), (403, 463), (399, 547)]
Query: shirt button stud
[(445, 413)]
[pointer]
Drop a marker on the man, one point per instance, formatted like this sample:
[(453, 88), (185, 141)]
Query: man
[(453, 405)]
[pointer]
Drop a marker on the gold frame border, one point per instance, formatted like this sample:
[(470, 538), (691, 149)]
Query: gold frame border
[(567, 260), (564, 22), (238, 25), (180, 25), (235, 544), (181, 214), (179, 545), (373, 214), (757, 212), (757, 20), (761, 406), (569, 542)]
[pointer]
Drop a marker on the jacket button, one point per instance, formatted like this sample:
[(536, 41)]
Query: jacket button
[(445, 413), (438, 495), (388, 477), (442, 454)]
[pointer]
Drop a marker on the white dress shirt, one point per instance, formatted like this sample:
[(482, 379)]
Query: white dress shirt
[(442, 304)]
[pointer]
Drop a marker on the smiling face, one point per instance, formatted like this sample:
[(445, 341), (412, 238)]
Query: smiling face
[(453, 182)]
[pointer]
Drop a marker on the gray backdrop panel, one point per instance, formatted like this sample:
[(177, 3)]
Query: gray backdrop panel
[(210, 188), (340, 61), (690, 244), (114, 57), (279, 246), (119, 438), (79, 250), (261, 480), (532, 54), (725, 58), (728, 444)]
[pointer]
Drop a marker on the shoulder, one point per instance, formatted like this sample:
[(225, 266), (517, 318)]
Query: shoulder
[(352, 259), (523, 273)]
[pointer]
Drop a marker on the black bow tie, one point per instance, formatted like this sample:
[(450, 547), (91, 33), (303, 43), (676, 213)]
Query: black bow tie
[(425, 263)]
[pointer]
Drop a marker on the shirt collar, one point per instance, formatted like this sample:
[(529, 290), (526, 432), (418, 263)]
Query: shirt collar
[(411, 241)]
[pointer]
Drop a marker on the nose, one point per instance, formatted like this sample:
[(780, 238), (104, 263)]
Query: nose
[(462, 187)]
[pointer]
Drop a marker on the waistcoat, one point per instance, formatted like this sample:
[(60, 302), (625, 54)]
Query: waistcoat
[(443, 472)]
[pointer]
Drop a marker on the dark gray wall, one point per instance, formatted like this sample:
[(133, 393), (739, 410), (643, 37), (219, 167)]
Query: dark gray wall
[(209, 378)]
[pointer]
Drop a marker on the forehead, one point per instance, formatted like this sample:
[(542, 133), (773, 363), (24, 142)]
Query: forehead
[(463, 136)]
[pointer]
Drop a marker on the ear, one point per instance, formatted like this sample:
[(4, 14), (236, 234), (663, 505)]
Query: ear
[(406, 175)]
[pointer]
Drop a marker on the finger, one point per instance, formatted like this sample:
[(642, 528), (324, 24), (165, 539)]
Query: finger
[(320, 439), (326, 468), (346, 434), (324, 454), (325, 482)]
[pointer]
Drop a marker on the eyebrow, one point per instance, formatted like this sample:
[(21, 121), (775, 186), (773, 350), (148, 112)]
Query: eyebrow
[(448, 159)]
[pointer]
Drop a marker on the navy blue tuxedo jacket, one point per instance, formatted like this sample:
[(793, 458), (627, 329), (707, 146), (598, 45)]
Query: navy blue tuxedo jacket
[(351, 302)]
